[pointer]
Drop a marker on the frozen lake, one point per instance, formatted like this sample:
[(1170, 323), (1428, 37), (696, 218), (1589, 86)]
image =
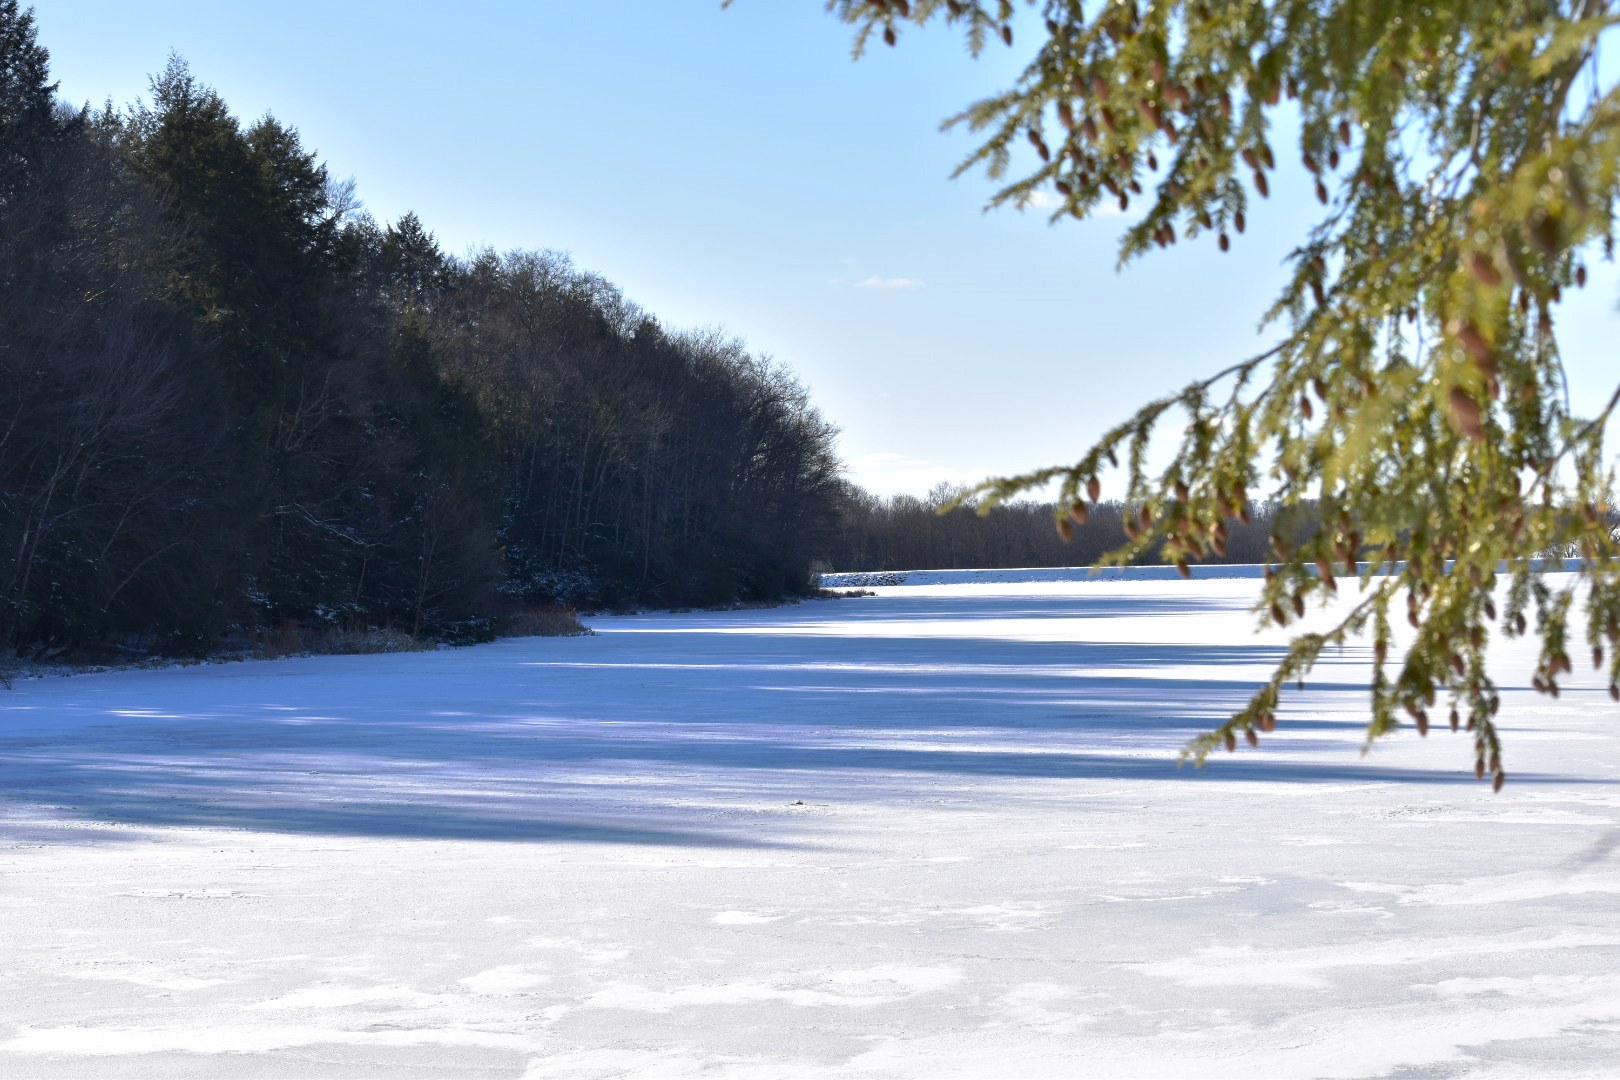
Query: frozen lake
[(937, 832)]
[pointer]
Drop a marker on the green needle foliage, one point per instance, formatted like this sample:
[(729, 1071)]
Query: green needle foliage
[(1414, 414)]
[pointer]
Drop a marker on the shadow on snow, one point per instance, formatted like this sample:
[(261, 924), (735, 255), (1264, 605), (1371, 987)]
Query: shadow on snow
[(703, 733)]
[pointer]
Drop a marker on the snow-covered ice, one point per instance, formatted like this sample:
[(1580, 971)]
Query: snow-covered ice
[(937, 832)]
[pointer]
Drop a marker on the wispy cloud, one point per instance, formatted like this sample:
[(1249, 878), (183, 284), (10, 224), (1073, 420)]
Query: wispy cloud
[(876, 282)]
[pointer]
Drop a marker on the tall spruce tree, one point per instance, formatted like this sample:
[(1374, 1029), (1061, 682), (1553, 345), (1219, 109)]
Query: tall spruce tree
[(27, 99), (1415, 407)]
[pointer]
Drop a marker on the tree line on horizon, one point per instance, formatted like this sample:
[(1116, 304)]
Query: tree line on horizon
[(938, 531)]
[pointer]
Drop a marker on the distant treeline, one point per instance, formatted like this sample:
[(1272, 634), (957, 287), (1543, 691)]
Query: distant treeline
[(902, 532), (231, 401)]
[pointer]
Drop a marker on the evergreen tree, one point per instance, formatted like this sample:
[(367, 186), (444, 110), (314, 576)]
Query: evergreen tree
[(1415, 403), (27, 99), (413, 266)]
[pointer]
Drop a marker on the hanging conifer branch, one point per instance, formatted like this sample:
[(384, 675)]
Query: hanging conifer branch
[(1414, 413)]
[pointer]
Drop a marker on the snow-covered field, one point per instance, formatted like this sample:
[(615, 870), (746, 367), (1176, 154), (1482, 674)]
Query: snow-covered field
[(937, 832)]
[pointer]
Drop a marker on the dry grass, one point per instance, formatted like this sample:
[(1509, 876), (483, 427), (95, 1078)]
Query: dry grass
[(291, 639), (358, 642), (553, 620)]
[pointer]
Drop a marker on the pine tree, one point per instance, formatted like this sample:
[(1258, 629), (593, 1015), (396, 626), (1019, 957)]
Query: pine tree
[(412, 261), (1414, 408), (27, 98)]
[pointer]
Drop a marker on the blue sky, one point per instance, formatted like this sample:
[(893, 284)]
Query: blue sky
[(734, 167)]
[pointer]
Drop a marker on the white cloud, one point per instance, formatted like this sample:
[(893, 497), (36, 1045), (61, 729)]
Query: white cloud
[(875, 282), (1050, 200)]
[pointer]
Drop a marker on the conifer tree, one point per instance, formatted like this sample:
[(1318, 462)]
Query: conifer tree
[(1466, 155), (27, 97)]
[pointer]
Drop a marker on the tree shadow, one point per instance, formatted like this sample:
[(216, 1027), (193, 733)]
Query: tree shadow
[(701, 730)]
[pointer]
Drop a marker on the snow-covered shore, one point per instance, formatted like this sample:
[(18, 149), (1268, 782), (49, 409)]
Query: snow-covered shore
[(936, 832), (1031, 575), (1063, 574)]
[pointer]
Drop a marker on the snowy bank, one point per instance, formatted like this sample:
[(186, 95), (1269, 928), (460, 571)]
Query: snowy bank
[(866, 579), (880, 578)]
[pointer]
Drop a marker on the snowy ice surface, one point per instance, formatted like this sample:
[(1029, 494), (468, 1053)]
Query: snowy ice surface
[(937, 832)]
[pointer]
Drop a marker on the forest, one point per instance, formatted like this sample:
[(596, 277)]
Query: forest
[(944, 530), (234, 408), (232, 402)]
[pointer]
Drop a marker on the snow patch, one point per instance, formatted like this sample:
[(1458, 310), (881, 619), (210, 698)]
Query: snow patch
[(744, 918), (504, 980), (333, 997)]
